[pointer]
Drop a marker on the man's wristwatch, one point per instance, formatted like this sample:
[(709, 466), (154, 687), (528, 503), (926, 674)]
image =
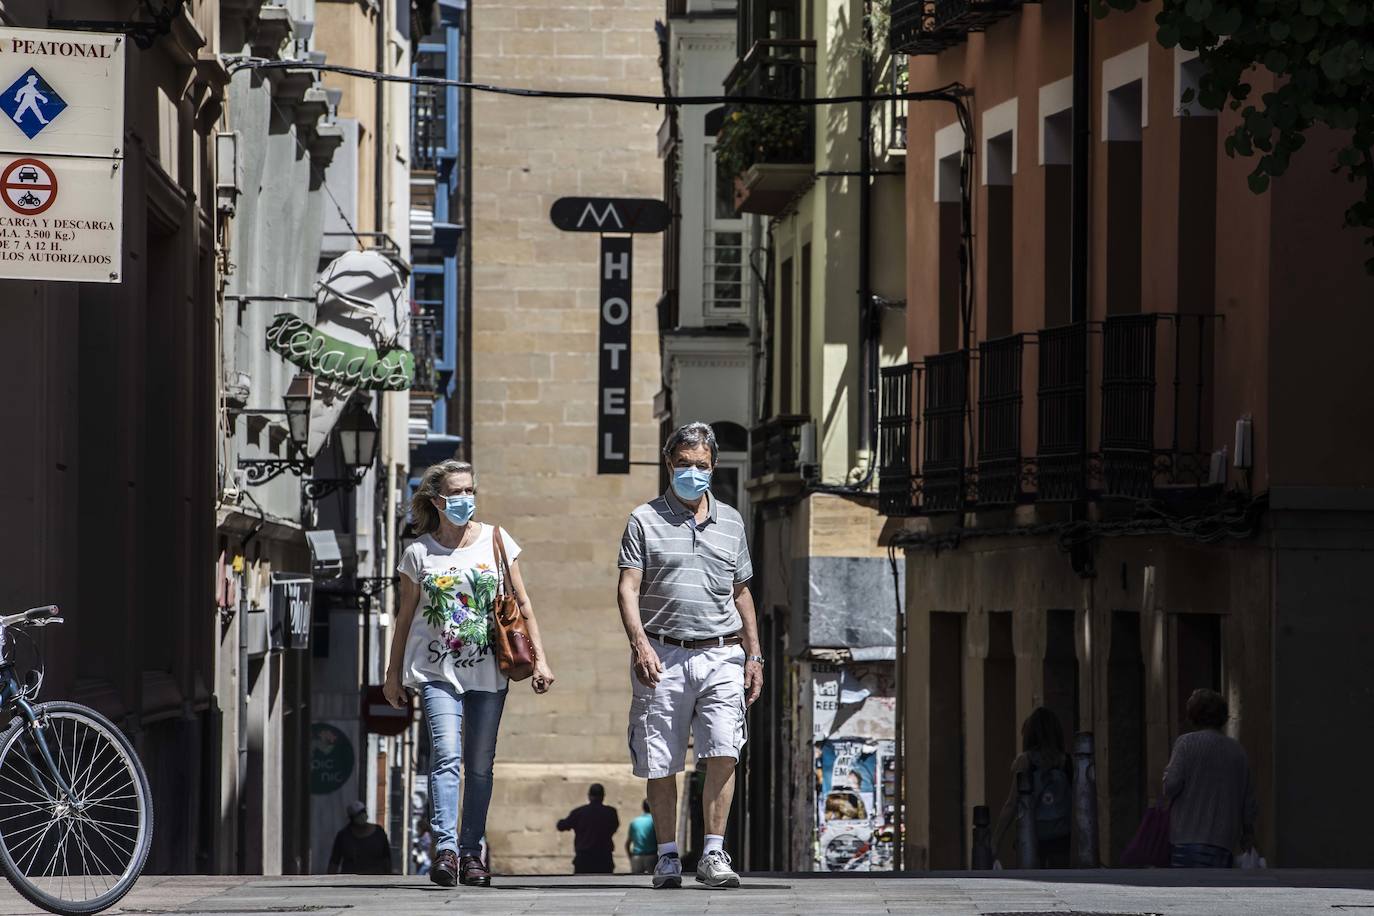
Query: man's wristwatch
[(754, 658)]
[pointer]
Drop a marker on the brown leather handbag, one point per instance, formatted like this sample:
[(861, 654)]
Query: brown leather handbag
[(514, 652)]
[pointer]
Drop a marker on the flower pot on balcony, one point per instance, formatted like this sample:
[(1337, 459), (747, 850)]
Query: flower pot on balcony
[(768, 188)]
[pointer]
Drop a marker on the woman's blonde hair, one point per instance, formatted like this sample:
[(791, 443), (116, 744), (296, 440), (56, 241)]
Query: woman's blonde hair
[(424, 517)]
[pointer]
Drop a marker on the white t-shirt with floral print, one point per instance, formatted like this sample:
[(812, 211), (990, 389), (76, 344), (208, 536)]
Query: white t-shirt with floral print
[(451, 634)]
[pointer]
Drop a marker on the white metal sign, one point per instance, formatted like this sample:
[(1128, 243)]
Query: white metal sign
[(61, 155)]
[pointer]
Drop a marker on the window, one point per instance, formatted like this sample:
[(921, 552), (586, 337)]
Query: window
[(786, 348), (723, 286)]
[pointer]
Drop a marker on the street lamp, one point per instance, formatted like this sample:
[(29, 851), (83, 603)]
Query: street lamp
[(298, 396), (297, 400), (356, 443), (358, 439)]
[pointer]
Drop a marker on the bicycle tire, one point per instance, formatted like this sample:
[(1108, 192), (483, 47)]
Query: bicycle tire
[(60, 710)]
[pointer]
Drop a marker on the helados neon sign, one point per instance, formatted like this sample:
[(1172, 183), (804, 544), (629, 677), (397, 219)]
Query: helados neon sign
[(337, 360)]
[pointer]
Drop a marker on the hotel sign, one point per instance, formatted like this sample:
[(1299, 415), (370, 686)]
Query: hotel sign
[(617, 219)]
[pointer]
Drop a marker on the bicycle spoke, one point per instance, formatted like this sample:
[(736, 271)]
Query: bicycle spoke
[(105, 869), (85, 843), (36, 788)]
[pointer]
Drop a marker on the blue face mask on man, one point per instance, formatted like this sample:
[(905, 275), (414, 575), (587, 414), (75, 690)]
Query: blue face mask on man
[(459, 509), (690, 483)]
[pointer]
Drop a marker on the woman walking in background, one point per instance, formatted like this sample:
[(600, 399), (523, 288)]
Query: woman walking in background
[(1207, 785), (1044, 757), (451, 574)]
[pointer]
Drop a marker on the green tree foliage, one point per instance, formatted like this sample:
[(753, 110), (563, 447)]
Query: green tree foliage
[(1322, 55)]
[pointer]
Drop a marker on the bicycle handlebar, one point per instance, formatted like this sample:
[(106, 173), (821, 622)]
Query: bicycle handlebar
[(48, 613)]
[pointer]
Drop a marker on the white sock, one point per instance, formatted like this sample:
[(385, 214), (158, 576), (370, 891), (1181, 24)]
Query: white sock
[(667, 849), (713, 843)]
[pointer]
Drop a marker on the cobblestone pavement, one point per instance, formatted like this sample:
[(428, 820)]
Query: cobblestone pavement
[(1266, 893)]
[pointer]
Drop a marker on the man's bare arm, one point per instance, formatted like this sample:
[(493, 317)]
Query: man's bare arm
[(753, 671), (647, 667)]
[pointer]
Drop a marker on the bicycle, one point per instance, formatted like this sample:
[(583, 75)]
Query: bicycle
[(76, 814)]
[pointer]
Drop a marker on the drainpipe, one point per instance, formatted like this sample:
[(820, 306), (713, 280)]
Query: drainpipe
[(378, 127), (1080, 172), (869, 315)]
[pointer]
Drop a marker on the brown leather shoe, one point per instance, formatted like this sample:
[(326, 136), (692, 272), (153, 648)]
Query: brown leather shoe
[(472, 873), (444, 872)]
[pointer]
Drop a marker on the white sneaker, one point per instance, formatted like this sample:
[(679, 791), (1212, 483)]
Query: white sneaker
[(668, 871), (713, 870)]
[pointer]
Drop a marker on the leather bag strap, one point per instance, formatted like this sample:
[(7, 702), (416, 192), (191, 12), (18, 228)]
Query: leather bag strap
[(503, 583)]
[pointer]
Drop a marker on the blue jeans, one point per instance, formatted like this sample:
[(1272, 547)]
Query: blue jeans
[(1199, 855), (462, 728)]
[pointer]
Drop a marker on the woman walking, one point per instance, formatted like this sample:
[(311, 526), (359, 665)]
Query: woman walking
[(450, 575), (1043, 756)]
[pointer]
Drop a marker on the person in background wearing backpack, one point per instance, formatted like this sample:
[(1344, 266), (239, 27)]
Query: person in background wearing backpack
[(1044, 756)]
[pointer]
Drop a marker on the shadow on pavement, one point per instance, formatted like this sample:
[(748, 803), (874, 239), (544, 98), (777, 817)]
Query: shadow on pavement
[(1129, 877)]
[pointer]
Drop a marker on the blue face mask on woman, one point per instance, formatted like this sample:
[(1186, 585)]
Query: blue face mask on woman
[(690, 483), (459, 509)]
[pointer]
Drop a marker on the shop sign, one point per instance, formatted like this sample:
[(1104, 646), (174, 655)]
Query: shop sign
[(345, 363), (331, 759), (291, 606)]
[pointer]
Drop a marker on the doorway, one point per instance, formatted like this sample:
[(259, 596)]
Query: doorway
[(945, 793)]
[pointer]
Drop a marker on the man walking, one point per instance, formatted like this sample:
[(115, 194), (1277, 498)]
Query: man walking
[(361, 847), (684, 600), (641, 845), (593, 826)]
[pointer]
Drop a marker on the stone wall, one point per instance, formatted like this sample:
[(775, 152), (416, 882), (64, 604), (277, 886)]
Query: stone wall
[(535, 304)]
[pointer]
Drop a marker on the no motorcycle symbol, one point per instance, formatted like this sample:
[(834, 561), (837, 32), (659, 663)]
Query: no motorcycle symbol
[(28, 186)]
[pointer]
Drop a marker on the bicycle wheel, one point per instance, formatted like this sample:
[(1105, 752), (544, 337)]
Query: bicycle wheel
[(81, 853)]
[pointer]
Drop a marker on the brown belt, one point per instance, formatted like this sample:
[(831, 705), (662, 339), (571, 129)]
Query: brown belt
[(714, 642)]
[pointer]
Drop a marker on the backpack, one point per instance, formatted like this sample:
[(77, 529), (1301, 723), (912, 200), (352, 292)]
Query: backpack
[(1053, 801)]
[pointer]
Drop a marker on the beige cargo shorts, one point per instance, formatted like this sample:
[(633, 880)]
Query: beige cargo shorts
[(700, 695)]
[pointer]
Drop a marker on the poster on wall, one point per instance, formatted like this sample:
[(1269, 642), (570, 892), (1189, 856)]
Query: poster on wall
[(854, 814), (856, 700)]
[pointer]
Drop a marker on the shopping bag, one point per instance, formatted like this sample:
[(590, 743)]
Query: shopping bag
[(1149, 848)]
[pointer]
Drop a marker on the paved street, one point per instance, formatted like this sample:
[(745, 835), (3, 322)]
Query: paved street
[(1274, 893)]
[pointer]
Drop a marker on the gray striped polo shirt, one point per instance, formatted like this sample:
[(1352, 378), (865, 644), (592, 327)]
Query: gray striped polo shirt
[(690, 570)]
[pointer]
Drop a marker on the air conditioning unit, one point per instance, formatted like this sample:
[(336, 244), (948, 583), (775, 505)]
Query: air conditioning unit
[(806, 451), (1243, 454)]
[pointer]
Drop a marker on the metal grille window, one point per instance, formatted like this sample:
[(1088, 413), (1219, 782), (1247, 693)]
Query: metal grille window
[(1063, 405), (999, 420), (723, 280), (896, 470), (1128, 405), (946, 403)]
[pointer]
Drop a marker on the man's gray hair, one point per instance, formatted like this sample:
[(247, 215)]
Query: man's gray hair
[(691, 435)]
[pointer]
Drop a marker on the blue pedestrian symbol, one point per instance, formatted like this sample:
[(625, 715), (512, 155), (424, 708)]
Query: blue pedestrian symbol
[(31, 103)]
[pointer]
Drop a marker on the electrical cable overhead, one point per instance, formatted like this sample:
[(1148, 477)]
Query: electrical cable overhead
[(954, 93)]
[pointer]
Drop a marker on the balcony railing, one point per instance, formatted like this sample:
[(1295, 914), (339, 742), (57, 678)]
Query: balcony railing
[(426, 128), (946, 404), (913, 29), (999, 421), (424, 344), (971, 15), (1063, 402), (898, 426), (775, 447), (1151, 439), (768, 149), (931, 26)]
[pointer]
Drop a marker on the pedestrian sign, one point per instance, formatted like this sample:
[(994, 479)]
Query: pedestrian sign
[(28, 186), (61, 155), (31, 103)]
